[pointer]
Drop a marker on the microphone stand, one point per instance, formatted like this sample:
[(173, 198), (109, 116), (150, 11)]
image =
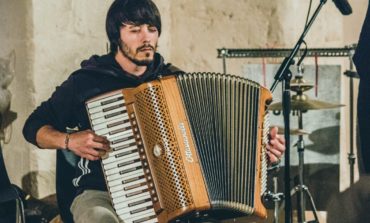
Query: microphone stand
[(284, 75)]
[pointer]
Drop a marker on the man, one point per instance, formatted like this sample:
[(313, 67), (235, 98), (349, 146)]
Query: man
[(133, 28), (362, 62), (353, 204)]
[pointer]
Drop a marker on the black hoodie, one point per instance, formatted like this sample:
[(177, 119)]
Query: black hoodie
[(66, 107), (362, 62)]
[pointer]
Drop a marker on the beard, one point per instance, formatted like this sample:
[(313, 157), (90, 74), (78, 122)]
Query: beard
[(131, 54)]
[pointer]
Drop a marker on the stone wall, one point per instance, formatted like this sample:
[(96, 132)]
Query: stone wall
[(50, 39)]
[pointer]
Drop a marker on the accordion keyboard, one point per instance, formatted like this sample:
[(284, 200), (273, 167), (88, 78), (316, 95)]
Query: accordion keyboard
[(123, 166)]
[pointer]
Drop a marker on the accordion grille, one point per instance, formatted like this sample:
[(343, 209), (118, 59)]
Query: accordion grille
[(158, 131), (223, 112)]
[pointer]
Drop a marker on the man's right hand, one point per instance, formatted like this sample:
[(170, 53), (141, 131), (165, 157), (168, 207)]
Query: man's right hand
[(88, 145)]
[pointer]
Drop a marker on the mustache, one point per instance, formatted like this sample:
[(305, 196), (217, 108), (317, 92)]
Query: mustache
[(145, 46)]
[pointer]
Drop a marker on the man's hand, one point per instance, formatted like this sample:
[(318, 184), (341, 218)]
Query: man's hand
[(88, 145), (276, 146)]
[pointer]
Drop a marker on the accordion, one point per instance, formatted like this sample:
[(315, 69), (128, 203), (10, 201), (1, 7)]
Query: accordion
[(189, 146)]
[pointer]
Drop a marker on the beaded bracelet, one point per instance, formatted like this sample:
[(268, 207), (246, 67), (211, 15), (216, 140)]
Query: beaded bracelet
[(66, 141)]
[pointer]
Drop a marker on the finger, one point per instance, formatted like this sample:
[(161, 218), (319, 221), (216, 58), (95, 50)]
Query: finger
[(98, 145), (100, 139), (272, 158), (92, 152), (90, 157), (278, 151), (276, 144), (281, 139), (273, 132), (101, 152)]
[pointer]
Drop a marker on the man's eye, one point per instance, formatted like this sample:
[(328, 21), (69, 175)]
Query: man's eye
[(152, 29)]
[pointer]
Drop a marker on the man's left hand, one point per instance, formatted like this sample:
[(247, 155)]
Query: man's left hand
[(276, 146)]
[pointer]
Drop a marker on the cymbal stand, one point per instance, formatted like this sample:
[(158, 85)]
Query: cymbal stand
[(351, 155), (300, 188), (284, 75)]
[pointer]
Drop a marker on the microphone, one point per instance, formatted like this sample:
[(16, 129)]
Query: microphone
[(343, 6)]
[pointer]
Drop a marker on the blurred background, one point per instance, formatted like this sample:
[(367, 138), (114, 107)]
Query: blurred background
[(43, 41)]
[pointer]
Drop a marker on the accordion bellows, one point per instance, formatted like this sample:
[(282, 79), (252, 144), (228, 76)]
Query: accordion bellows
[(184, 147)]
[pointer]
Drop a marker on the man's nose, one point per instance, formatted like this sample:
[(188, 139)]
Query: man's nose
[(146, 35)]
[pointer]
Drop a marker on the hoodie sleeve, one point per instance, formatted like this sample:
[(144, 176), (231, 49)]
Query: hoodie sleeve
[(57, 111), (362, 54)]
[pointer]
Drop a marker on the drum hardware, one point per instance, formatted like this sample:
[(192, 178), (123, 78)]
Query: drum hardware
[(301, 189), (304, 103), (275, 196), (351, 155), (293, 131), (298, 84)]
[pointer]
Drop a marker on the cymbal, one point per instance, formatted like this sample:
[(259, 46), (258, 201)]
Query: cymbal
[(303, 103), (293, 131)]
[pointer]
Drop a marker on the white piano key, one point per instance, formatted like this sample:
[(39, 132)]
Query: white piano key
[(129, 140), (116, 148), (130, 218), (111, 113), (132, 177), (114, 183), (100, 120), (106, 106), (123, 168), (123, 186), (119, 157), (124, 210), (130, 148), (122, 194), (110, 122), (135, 208), (107, 130), (121, 203), (153, 220), (120, 176), (97, 103), (116, 161), (117, 136)]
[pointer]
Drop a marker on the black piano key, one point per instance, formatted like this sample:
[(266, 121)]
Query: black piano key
[(139, 202), (119, 130), (121, 122), (111, 100), (136, 193), (128, 162), (130, 170), (112, 107), (121, 140), (141, 209), (115, 114), (144, 219), (133, 179), (124, 146), (134, 186)]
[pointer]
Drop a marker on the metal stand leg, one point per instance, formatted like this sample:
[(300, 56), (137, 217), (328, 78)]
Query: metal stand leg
[(301, 189)]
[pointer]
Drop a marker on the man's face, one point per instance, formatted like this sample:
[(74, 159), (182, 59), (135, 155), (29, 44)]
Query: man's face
[(138, 43)]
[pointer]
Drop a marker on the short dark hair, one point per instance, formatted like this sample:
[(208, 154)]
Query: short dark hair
[(137, 12)]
